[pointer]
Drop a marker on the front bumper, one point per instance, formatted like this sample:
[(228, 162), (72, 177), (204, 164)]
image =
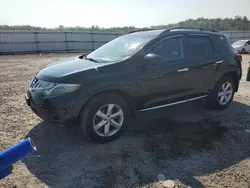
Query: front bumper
[(61, 109)]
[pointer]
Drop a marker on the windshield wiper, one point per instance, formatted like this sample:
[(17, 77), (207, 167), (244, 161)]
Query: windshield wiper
[(91, 59)]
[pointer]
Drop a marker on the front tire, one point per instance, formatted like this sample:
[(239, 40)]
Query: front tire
[(222, 94), (104, 117)]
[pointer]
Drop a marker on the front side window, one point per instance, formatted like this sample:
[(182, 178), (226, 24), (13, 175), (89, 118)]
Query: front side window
[(120, 48), (170, 49), (240, 42), (199, 47)]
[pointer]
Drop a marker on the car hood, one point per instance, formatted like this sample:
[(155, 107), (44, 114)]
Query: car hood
[(237, 46), (66, 68)]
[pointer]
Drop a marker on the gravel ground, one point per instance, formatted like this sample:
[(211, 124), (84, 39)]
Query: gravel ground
[(189, 144)]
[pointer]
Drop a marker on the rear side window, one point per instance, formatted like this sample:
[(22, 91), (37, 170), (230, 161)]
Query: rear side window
[(170, 49), (199, 47)]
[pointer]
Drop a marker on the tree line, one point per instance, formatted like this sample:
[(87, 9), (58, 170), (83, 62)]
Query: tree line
[(236, 23)]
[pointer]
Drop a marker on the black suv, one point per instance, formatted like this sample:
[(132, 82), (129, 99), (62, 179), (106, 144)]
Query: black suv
[(141, 71)]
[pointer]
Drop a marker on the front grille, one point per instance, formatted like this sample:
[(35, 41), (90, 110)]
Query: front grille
[(33, 82), (40, 84)]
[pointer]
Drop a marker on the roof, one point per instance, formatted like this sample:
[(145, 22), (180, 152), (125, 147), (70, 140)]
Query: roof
[(157, 32)]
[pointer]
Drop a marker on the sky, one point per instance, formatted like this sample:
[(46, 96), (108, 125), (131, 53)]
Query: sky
[(115, 13)]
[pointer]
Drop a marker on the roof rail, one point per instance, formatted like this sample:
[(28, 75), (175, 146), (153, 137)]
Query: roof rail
[(189, 28), (138, 30)]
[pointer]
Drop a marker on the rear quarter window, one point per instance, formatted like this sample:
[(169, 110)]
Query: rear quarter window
[(222, 44)]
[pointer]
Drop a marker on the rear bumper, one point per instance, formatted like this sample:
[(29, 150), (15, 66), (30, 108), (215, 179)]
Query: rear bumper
[(60, 109)]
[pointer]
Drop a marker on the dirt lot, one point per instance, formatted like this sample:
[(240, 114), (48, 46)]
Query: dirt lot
[(190, 144)]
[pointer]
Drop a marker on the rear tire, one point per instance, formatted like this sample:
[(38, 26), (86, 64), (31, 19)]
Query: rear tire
[(243, 51), (99, 123), (222, 94)]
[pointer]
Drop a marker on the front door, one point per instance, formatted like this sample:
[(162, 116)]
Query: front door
[(247, 46), (166, 81)]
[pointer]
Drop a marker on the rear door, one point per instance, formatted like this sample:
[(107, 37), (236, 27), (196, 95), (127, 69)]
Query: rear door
[(202, 61)]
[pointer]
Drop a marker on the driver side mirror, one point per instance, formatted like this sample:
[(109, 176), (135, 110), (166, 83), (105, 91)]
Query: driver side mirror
[(153, 59)]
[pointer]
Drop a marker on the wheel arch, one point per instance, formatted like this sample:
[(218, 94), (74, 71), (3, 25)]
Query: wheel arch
[(235, 77), (123, 94)]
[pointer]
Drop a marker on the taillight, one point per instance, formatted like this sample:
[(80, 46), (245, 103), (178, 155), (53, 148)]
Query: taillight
[(238, 58)]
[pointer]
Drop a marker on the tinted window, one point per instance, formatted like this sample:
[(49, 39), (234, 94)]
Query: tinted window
[(200, 47), (240, 42), (222, 44), (248, 42), (170, 49)]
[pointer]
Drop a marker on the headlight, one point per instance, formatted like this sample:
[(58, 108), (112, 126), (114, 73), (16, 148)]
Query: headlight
[(50, 88), (61, 89)]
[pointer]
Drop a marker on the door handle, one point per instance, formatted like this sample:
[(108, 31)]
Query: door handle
[(183, 70), (219, 62)]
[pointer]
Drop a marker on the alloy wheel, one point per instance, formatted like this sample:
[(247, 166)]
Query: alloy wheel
[(225, 93), (108, 120)]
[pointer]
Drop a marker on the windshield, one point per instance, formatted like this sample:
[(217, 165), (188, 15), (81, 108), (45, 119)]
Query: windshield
[(120, 48), (240, 42)]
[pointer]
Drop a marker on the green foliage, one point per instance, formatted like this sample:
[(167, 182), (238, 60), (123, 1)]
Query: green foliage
[(237, 23)]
